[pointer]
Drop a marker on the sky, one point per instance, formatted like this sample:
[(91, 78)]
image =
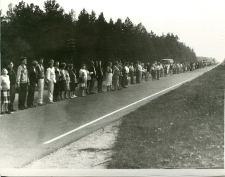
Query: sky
[(200, 24)]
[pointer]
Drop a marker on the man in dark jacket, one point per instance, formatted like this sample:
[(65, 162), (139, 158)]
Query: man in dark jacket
[(12, 78), (32, 73), (99, 73), (92, 72)]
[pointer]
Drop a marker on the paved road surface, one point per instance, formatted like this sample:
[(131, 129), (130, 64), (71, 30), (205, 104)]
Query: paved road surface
[(24, 133)]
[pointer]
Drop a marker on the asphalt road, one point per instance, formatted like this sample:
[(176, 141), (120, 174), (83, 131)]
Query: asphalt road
[(24, 133)]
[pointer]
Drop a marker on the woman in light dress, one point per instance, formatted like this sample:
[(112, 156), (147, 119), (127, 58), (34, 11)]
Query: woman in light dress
[(109, 76), (116, 74), (83, 79)]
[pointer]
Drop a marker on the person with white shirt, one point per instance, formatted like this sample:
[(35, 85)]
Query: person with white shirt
[(23, 82), (40, 81), (5, 91), (51, 80)]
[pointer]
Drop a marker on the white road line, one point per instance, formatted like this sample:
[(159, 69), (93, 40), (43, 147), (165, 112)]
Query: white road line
[(103, 117)]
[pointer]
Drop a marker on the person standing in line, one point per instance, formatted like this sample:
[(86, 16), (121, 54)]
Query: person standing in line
[(72, 81), (62, 81), (100, 75), (137, 73), (158, 71), (92, 72), (88, 82), (51, 80), (40, 81), (83, 79), (125, 75), (12, 79), (32, 73), (23, 82), (56, 96), (131, 71), (152, 71), (67, 91), (140, 70), (5, 91), (148, 68), (109, 76), (120, 66), (115, 78)]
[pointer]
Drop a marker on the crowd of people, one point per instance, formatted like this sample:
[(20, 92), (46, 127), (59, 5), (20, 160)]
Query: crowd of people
[(62, 80)]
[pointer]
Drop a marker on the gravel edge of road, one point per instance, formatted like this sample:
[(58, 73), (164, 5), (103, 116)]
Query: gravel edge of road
[(93, 151)]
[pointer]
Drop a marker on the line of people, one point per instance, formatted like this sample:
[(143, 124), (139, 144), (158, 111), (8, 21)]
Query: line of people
[(61, 79)]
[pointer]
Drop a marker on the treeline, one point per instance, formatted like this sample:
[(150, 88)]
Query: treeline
[(30, 31)]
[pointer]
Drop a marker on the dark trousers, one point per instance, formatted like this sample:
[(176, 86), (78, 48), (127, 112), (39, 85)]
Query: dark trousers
[(124, 81), (22, 95), (30, 97), (157, 74), (92, 84), (100, 80), (132, 77), (137, 77), (56, 91), (12, 96)]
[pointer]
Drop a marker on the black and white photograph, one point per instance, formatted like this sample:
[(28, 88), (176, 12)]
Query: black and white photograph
[(112, 85)]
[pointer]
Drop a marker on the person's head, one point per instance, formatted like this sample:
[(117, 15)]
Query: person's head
[(83, 66), (131, 64), (110, 64), (116, 63), (70, 66), (41, 60), (10, 64), (34, 63), (56, 64), (62, 65), (4, 71), (92, 63), (52, 61), (50, 64), (23, 60)]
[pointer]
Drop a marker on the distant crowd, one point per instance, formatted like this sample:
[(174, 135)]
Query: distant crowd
[(61, 79)]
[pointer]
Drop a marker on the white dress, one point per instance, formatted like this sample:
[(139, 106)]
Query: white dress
[(83, 74), (109, 76)]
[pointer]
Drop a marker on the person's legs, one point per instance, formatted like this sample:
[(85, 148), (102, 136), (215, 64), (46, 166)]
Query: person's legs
[(22, 95), (12, 96), (40, 90), (50, 91)]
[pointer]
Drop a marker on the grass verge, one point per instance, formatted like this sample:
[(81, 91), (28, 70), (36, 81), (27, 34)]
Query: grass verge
[(181, 129)]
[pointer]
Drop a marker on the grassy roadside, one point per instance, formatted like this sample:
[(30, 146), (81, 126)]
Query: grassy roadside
[(181, 129)]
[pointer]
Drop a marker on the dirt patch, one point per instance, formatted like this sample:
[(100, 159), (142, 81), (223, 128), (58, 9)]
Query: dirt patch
[(90, 152)]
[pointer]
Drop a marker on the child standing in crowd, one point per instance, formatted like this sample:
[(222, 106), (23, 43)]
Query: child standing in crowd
[(83, 79), (72, 81), (5, 91)]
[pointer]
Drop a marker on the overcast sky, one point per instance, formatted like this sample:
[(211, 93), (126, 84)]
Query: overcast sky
[(200, 24)]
